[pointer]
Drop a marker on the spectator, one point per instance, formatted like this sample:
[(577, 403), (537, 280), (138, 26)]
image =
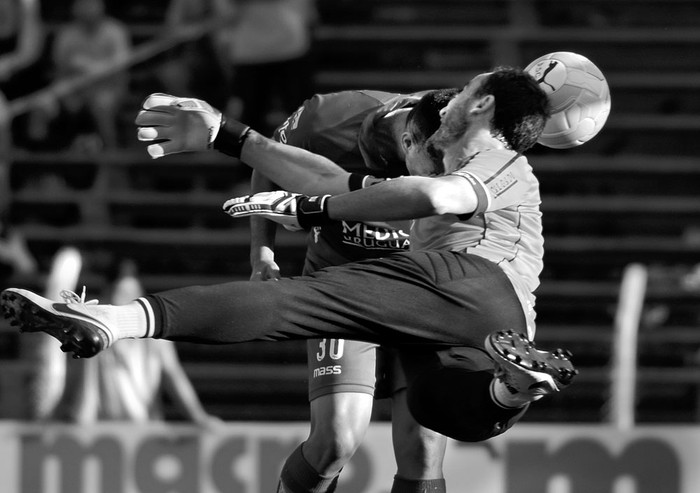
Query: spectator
[(192, 67), (21, 36), (130, 382), (21, 41), (15, 257), (46, 380), (92, 42), (269, 52), (21, 47)]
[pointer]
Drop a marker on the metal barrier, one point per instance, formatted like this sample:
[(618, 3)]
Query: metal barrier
[(140, 54), (624, 366)]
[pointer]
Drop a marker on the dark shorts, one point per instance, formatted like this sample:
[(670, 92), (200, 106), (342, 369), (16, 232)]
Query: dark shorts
[(340, 365)]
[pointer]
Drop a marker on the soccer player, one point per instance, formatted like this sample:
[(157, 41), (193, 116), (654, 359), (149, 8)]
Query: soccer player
[(362, 131), (458, 306)]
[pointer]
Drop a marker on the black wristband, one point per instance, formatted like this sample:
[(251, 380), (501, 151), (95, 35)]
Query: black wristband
[(356, 181), (231, 137), (312, 211)]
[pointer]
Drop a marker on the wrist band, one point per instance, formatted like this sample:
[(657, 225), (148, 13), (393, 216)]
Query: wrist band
[(312, 211), (231, 137), (356, 181)]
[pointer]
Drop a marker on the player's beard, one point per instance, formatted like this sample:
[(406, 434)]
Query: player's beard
[(437, 157), (453, 127)]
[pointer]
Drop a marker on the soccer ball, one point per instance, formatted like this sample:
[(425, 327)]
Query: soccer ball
[(578, 94)]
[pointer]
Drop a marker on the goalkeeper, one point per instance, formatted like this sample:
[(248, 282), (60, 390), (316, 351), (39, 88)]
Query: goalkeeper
[(476, 253)]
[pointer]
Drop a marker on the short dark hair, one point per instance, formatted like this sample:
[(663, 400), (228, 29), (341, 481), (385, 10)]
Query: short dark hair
[(424, 118), (522, 107)]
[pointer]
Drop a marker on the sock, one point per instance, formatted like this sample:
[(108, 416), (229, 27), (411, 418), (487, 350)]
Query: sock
[(298, 476), (131, 321), (502, 395), (402, 485), (155, 318)]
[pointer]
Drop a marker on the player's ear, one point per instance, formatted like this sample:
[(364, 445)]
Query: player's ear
[(484, 104), (406, 142)]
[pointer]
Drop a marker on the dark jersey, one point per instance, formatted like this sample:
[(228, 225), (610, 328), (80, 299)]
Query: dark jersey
[(348, 128)]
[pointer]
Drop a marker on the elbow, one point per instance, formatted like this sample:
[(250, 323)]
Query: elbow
[(443, 201), (439, 205)]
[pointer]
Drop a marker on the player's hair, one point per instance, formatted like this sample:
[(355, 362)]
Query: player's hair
[(424, 118), (522, 107)]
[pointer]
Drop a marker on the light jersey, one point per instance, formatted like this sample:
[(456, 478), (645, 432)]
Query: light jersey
[(348, 128), (506, 227)]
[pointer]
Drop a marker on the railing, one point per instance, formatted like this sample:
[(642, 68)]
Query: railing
[(140, 54), (624, 368)]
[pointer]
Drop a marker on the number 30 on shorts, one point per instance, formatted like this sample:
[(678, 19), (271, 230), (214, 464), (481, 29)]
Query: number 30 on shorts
[(332, 347)]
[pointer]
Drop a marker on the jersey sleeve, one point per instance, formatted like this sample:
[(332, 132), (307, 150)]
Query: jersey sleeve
[(499, 179), (300, 125), (329, 118)]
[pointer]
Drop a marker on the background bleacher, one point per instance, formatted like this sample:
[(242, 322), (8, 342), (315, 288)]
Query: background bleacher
[(627, 196)]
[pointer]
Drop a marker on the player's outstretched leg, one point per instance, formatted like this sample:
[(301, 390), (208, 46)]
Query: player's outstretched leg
[(81, 327), (525, 372)]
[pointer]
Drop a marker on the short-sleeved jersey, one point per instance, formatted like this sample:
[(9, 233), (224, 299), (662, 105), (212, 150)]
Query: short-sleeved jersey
[(347, 128), (506, 227)]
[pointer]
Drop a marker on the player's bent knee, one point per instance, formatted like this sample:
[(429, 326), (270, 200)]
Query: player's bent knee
[(420, 452), (330, 452), (457, 403), (338, 426), (412, 441)]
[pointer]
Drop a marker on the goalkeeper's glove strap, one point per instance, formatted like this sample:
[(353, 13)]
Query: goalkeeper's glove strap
[(231, 137), (313, 211)]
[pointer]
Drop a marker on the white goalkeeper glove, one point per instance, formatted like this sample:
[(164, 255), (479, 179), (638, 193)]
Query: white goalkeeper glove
[(176, 124), (294, 211)]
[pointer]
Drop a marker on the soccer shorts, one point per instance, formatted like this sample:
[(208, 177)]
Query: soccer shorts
[(340, 365)]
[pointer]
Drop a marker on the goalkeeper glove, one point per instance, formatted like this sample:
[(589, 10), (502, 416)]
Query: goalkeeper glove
[(292, 210), (186, 124)]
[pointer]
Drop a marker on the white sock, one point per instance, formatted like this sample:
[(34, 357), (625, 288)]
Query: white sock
[(132, 321), (126, 321), (503, 397)]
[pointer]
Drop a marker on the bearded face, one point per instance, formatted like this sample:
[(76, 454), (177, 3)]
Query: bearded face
[(455, 123), (456, 116)]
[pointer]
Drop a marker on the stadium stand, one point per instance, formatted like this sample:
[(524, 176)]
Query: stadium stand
[(627, 196)]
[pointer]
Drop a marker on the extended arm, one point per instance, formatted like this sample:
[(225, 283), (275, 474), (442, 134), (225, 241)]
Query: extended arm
[(410, 197), (292, 168), (30, 42), (183, 124), (179, 387), (262, 237)]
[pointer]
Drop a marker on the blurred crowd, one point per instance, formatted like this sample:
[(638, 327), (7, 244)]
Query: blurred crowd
[(255, 63), (69, 82)]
